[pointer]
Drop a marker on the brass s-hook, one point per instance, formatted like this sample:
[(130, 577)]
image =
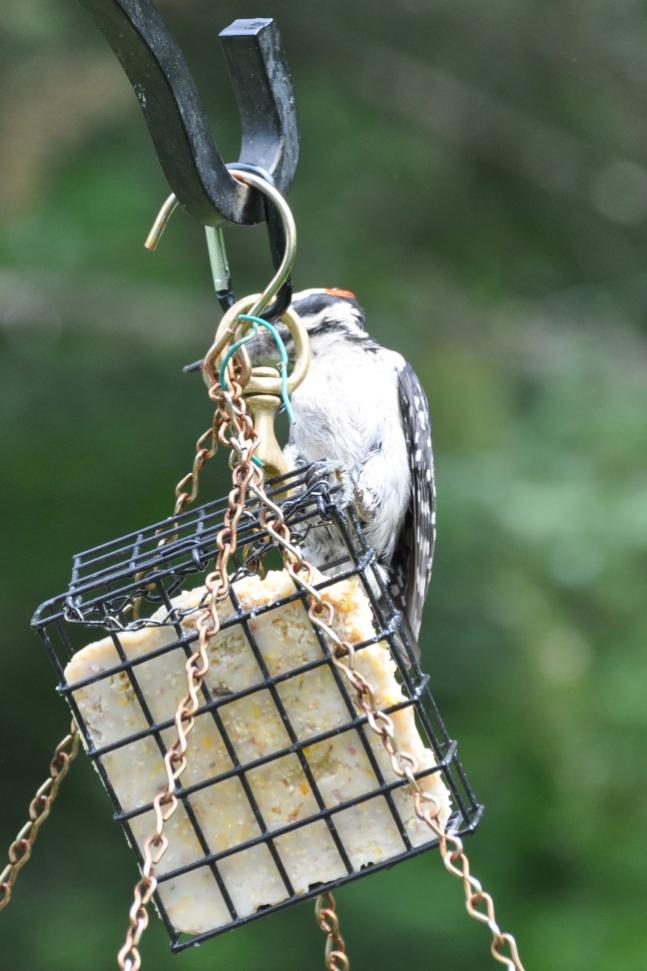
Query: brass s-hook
[(161, 222), (262, 385), (217, 253)]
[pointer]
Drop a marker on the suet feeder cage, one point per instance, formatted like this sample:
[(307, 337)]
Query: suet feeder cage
[(150, 574)]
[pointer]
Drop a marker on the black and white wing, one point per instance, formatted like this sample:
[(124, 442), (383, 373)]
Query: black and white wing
[(414, 547)]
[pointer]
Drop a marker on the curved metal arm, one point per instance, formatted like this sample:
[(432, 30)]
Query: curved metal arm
[(177, 122)]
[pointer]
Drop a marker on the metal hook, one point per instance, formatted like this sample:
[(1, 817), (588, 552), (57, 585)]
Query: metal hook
[(161, 222), (215, 246), (177, 122), (283, 242), (288, 232)]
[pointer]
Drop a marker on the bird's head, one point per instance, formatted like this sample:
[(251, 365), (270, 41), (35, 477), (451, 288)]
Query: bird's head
[(329, 316)]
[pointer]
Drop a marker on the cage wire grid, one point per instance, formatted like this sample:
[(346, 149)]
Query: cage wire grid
[(152, 565)]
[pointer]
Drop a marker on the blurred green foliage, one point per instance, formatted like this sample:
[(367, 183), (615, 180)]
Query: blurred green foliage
[(478, 175)]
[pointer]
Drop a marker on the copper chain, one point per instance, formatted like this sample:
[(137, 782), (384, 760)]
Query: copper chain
[(232, 416), (233, 428), (186, 490), (479, 904), (39, 809), (328, 921)]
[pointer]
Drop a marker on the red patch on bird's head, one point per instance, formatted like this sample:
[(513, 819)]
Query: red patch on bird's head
[(345, 294)]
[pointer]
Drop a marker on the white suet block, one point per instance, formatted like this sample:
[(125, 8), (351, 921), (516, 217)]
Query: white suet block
[(313, 704)]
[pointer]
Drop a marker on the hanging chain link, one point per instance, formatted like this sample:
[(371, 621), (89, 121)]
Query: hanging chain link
[(186, 490), (478, 903), (233, 428), (328, 921), (39, 809)]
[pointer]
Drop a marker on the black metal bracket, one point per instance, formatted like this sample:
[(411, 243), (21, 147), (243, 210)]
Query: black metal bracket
[(176, 119)]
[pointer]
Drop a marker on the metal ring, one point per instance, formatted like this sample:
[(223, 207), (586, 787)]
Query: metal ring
[(258, 384)]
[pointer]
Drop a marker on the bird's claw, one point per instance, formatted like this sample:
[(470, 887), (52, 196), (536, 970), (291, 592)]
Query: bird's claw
[(332, 473), (364, 503), (350, 491)]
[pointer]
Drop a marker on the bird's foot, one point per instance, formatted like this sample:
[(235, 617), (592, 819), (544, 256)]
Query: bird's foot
[(365, 502), (333, 474), (351, 492)]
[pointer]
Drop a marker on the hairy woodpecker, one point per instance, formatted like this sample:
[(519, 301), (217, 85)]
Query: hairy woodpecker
[(361, 409)]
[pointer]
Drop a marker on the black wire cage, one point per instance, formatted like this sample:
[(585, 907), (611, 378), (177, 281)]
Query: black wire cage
[(287, 793)]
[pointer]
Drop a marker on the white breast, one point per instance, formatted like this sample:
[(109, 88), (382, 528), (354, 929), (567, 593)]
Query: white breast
[(347, 410)]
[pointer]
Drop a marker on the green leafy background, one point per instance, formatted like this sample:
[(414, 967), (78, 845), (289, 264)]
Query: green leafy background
[(477, 174)]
